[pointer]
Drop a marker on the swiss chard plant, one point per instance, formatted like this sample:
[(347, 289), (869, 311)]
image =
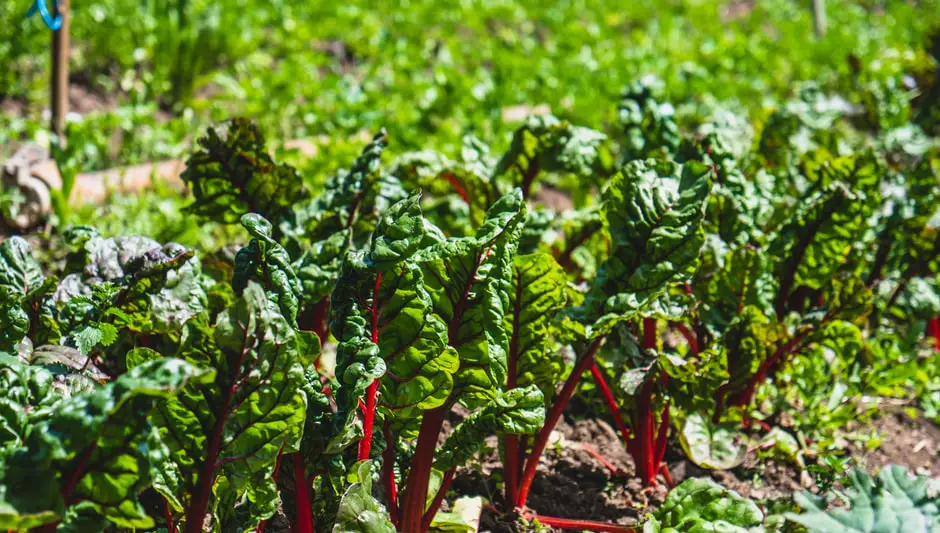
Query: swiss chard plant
[(421, 324), (370, 328), (78, 454)]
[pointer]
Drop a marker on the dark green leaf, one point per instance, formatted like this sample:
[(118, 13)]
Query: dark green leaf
[(654, 210), (699, 505), (517, 412), (93, 447), (231, 174), (233, 429), (538, 293), (266, 262), (470, 282), (359, 511)]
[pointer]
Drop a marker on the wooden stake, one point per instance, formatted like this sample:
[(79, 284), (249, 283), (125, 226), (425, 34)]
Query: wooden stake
[(819, 17), (60, 70)]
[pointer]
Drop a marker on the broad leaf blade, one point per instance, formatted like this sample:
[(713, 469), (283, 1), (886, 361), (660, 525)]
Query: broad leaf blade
[(231, 174), (711, 445), (538, 294), (654, 210), (516, 412)]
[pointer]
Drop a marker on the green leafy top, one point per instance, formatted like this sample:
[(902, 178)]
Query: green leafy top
[(650, 127), (382, 317), (231, 430), (20, 277), (345, 197), (89, 449), (518, 411), (469, 280), (546, 144), (18, 269), (654, 210), (699, 505), (231, 174), (538, 294), (266, 261)]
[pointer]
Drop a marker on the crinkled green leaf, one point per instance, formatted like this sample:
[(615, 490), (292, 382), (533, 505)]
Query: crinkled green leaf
[(584, 245), (515, 412), (93, 447), (397, 236), (413, 342), (470, 282), (358, 362), (750, 339), (359, 511), (699, 505), (744, 279), (14, 320), (654, 210), (153, 288), (895, 502), (650, 128), (538, 294), (848, 299), (383, 318), (345, 195), (20, 274), (712, 446), (231, 174), (820, 235), (18, 269), (319, 267), (266, 261), (440, 177), (800, 124), (546, 144), (235, 427)]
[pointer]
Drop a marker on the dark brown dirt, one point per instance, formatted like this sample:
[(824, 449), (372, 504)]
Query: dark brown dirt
[(912, 442), (571, 483)]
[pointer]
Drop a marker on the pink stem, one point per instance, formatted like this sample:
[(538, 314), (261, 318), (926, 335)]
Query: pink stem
[(933, 329), (610, 401), (649, 334), (575, 524), (368, 419), (558, 407)]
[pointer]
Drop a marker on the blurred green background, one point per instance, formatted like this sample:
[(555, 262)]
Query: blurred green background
[(147, 75)]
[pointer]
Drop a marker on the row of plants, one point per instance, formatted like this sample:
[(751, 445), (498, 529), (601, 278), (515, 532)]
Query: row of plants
[(314, 371)]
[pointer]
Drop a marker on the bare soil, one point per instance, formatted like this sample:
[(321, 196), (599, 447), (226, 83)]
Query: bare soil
[(572, 483), (914, 443)]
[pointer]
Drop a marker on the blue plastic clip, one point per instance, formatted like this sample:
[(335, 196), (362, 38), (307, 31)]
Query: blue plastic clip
[(40, 5)]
